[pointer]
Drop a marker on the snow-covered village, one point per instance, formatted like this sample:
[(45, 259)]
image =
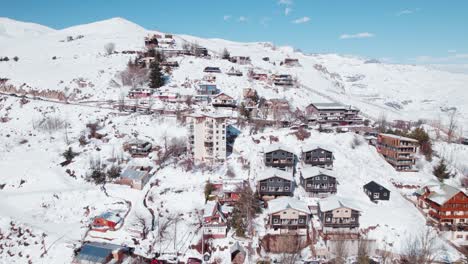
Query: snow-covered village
[(121, 144)]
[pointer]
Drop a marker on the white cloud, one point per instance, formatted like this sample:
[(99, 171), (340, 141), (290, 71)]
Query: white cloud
[(407, 12), (462, 56), (357, 35), (301, 20), (287, 10), (452, 51), (242, 19), (227, 17), (285, 2)]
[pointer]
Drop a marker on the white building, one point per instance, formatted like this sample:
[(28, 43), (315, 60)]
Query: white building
[(207, 137)]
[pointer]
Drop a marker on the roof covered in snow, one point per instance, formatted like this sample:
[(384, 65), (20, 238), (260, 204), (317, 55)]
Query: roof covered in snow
[(283, 203), (96, 252), (309, 172), (133, 173), (333, 202), (441, 193), (332, 106), (273, 172), (273, 147)]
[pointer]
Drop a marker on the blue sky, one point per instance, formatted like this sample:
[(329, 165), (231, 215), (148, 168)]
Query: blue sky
[(416, 31)]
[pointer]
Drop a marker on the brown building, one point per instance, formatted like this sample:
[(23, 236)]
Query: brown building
[(444, 205), (398, 151)]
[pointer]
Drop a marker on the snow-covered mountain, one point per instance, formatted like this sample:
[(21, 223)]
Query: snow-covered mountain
[(57, 204), (399, 91)]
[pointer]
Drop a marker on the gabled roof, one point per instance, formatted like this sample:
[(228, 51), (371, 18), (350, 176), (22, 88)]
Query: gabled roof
[(133, 173), (441, 193), (332, 203), (97, 252), (283, 203), (310, 172), (221, 94), (308, 148), (110, 216), (375, 187), (273, 147), (213, 207), (273, 172)]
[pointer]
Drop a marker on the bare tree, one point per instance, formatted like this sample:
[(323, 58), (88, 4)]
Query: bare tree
[(363, 251), (172, 148), (141, 222), (421, 249), (382, 122), (291, 248), (340, 251), (452, 126), (109, 48)]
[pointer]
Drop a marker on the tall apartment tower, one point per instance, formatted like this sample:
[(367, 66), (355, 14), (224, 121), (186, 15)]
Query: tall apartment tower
[(207, 137), (398, 151)]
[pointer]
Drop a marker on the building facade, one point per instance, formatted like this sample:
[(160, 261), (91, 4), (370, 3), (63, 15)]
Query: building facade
[(336, 217), (288, 215), (318, 182), (207, 137), (274, 182), (333, 114), (376, 191), (318, 157), (444, 205), (279, 157), (398, 151)]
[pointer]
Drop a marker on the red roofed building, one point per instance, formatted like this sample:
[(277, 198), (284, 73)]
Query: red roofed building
[(445, 205)]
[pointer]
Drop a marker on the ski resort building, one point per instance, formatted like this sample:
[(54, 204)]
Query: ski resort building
[(318, 182), (337, 217), (398, 151), (376, 191), (333, 114), (288, 215), (215, 220), (274, 182), (280, 157), (223, 100), (444, 205), (207, 137), (316, 156)]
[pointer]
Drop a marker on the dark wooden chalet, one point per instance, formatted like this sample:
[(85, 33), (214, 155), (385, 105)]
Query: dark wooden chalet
[(317, 156), (318, 182), (376, 191), (274, 182), (279, 157)]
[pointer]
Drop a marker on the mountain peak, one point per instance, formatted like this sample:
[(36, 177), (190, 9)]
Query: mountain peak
[(112, 25), (12, 28)]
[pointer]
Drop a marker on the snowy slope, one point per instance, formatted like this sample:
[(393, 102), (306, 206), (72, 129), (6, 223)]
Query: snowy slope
[(398, 91), (39, 194)]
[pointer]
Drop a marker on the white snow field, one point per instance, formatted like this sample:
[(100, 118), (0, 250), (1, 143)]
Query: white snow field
[(39, 195)]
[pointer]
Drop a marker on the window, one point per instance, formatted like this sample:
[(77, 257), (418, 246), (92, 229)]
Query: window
[(324, 177), (275, 221), (309, 185), (301, 220), (263, 188), (317, 178), (385, 194), (286, 188), (270, 180)]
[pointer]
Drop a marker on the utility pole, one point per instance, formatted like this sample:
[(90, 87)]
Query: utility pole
[(175, 234)]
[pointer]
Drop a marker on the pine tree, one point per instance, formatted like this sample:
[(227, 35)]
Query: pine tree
[(425, 145), (156, 76), (69, 154), (225, 55), (114, 172), (441, 171)]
